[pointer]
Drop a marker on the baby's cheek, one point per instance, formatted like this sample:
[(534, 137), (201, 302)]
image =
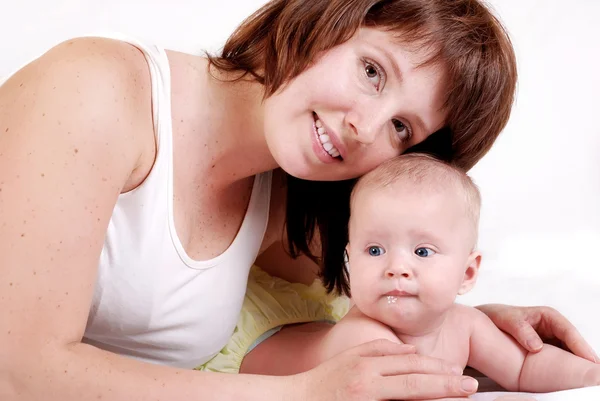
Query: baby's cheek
[(360, 293), (436, 283), (369, 298), (440, 292)]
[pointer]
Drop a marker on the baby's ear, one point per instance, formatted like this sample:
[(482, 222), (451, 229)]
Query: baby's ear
[(471, 273)]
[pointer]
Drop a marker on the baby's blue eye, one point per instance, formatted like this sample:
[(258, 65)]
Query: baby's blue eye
[(424, 252), (376, 251)]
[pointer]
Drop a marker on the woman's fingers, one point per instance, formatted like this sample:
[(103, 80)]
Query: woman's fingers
[(392, 365), (449, 399), (421, 386), (383, 370), (560, 328), (530, 325), (516, 321), (525, 334), (381, 348)]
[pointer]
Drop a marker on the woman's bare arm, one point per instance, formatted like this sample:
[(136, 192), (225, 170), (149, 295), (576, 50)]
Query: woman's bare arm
[(75, 132)]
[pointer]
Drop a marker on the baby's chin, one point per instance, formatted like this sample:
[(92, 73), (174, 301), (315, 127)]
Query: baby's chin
[(401, 312), (411, 317)]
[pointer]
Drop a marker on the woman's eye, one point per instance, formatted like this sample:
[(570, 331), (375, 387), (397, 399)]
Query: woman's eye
[(374, 74), (371, 71), (376, 251), (402, 130), (424, 252)]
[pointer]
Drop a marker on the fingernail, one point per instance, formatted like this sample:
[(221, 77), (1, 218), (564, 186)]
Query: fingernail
[(469, 385), (534, 343), (457, 370)]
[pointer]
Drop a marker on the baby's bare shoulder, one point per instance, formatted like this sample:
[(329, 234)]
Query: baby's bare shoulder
[(466, 316), (355, 329), (461, 311)]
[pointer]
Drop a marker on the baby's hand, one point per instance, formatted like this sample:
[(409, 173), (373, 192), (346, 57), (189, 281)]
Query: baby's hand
[(592, 377)]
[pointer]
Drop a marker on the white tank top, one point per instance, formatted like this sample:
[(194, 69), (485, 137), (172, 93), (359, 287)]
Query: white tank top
[(153, 302)]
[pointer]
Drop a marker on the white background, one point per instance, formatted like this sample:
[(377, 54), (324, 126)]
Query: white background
[(540, 229)]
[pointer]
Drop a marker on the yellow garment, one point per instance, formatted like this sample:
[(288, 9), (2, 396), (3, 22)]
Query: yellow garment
[(270, 303)]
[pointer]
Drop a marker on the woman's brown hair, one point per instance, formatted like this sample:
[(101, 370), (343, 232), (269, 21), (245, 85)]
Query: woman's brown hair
[(282, 39)]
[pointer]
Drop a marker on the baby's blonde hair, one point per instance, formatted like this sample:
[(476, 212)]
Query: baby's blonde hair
[(424, 171)]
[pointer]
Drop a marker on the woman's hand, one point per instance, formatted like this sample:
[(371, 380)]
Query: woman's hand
[(383, 370), (528, 324)]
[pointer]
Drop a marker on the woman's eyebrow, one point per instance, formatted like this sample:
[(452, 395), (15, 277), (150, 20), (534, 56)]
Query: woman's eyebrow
[(392, 61)]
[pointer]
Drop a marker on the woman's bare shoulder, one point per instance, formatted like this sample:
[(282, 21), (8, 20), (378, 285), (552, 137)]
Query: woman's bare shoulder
[(101, 85)]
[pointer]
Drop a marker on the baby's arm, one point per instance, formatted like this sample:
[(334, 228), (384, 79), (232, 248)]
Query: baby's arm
[(502, 359), (554, 369), (493, 352)]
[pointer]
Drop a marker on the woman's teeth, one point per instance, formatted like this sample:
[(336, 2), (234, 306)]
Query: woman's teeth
[(325, 140)]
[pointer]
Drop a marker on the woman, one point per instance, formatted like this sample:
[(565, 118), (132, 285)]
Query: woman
[(136, 186)]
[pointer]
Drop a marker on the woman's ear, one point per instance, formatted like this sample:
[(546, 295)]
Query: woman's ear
[(471, 273)]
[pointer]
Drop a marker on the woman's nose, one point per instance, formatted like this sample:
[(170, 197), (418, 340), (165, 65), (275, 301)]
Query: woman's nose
[(366, 122)]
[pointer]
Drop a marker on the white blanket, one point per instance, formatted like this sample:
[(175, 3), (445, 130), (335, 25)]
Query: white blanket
[(582, 394)]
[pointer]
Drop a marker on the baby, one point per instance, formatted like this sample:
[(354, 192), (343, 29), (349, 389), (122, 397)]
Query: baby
[(412, 237)]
